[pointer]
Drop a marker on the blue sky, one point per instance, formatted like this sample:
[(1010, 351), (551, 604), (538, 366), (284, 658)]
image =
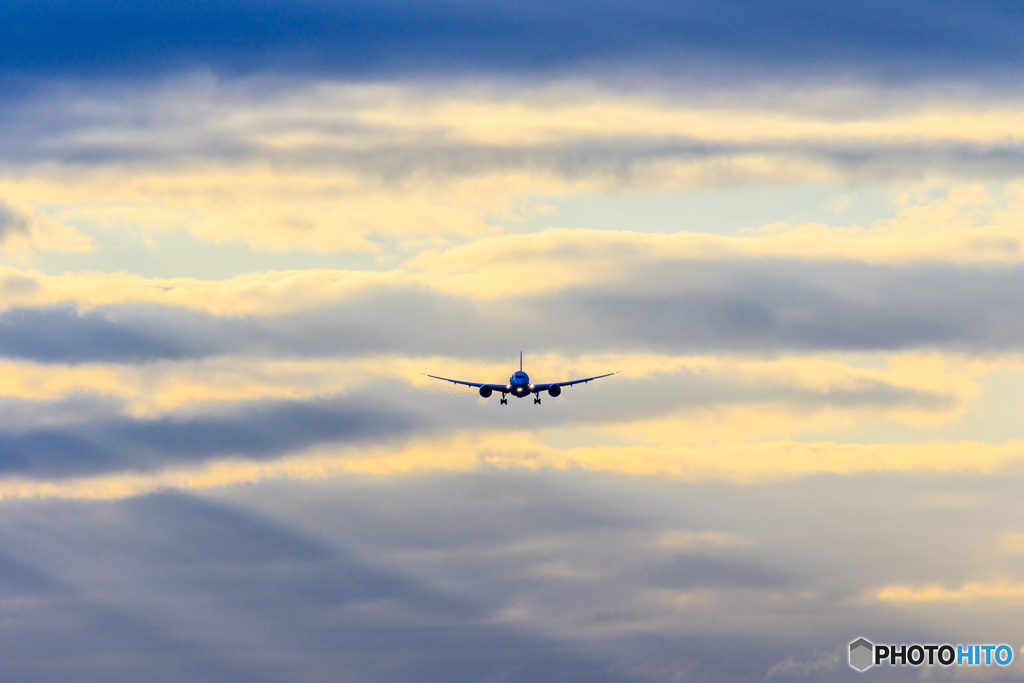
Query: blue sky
[(908, 41), (232, 236)]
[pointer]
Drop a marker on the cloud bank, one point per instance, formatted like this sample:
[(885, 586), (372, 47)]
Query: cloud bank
[(519, 575), (679, 307)]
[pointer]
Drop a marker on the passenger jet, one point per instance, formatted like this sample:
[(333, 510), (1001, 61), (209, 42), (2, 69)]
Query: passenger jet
[(519, 385)]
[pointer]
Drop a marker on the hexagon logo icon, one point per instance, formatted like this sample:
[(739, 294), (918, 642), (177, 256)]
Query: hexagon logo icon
[(862, 654)]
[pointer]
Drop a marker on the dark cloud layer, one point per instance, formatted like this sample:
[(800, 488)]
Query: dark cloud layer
[(769, 305), (912, 40), (255, 430), (616, 160), (304, 598), (12, 221), (413, 579)]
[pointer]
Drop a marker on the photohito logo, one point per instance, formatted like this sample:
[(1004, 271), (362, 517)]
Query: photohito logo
[(865, 654)]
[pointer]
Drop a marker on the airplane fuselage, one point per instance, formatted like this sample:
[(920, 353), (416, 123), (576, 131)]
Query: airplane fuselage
[(519, 384)]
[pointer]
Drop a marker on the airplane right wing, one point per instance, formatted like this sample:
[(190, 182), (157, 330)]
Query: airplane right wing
[(545, 387)]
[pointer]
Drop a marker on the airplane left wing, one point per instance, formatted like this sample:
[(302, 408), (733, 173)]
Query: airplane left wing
[(493, 387)]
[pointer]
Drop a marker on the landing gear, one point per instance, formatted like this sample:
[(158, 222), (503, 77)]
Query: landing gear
[(536, 400), (504, 401)]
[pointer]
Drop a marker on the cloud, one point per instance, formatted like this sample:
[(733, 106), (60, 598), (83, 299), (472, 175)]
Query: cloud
[(189, 571), (63, 411), (391, 133), (790, 667), (976, 590), (260, 293), (328, 166), (419, 577), (929, 384), (23, 231), (12, 222), (83, 434), (256, 431), (665, 306)]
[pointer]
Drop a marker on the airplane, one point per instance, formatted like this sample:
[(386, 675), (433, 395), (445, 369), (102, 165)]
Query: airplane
[(519, 385)]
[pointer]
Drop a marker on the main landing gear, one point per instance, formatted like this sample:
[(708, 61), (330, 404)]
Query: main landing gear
[(504, 401), (536, 400)]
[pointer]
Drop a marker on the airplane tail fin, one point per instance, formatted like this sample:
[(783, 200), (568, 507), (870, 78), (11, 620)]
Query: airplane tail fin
[(520, 361)]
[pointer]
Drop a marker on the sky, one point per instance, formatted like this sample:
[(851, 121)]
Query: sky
[(234, 234)]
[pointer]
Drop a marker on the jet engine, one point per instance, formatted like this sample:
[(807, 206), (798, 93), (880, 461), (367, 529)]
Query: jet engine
[(485, 391), (554, 390)]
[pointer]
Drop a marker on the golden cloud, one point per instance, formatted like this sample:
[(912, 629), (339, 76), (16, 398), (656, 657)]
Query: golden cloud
[(965, 592), (25, 232), (266, 293), (742, 463), (162, 386)]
